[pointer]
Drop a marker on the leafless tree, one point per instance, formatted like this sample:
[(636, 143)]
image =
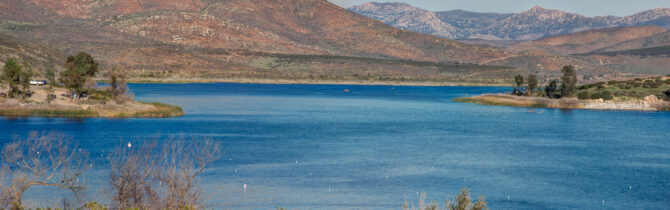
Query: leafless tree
[(51, 160), (182, 162), (146, 177), (132, 172)]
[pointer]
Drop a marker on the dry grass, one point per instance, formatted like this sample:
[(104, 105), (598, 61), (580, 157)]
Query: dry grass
[(121, 107), (519, 101), (505, 100)]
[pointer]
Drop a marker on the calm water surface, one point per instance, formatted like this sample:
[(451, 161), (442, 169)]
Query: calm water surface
[(319, 147)]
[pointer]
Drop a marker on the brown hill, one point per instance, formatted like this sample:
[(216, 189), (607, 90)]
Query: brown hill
[(587, 41), (39, 57), (276, 26), (309, 40), (254, 39), (657, 40)]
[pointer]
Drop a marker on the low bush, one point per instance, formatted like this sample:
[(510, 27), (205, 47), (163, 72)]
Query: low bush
[(605, 95), (583, 95), (650, 84)]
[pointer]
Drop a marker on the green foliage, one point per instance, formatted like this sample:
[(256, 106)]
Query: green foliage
[(74, 113), (583, 95), (518, 80), (605, 95), (552, 90), (651, 84), (51, 79), (94, 206), (532, 84), (16, 78), (464, 202), (79, 69), (568, 81)]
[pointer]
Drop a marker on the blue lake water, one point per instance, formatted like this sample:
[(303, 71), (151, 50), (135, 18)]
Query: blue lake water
[(320, 147)]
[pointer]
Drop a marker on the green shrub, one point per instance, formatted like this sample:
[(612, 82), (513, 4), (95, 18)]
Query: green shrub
[(583, 95), (605, 95), (650, 84)]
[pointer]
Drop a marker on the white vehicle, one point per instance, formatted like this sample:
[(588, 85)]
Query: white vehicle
[(38, 82)]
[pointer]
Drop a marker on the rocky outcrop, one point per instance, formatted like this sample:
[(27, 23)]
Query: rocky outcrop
[(532, 24), (649, 103), (404, 16)]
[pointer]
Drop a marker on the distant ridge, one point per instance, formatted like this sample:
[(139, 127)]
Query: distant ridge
[(587, 41), (532, 24)]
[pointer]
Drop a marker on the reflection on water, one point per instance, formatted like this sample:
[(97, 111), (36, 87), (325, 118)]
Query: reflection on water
[(319, 146)]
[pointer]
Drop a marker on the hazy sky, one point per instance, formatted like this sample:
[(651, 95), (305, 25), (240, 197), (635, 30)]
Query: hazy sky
[(584, 7)]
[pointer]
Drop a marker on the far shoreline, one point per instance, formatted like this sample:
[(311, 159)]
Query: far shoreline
[(645, 105), (309, 82)]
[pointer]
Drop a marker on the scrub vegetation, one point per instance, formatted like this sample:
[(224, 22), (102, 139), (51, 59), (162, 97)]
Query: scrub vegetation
[(636, 94), (74, 94), (462, 201), (140, 176)]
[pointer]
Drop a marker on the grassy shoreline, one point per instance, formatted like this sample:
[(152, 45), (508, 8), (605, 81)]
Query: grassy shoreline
[(161, 111)]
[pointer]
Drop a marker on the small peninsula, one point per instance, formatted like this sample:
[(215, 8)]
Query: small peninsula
[(74, 94), (642, 94)]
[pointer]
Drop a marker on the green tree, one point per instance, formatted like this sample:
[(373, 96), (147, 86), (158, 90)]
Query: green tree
[(16, 78), (568, 81), (12, 76), (552, 90), (51, 79), (518, 88), (518, 80), (532, 84), (26, 75), (79, 69), (118, 84)]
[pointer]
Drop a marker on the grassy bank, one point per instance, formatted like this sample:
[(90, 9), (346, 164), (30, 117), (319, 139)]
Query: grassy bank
[(42, 112), (161, 111), (156, 110), (500, 100)]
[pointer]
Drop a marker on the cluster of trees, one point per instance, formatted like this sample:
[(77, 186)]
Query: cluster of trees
[(80, 70), (529, 87), (17, 78), (141, 177), (462, 201), (78, 77)]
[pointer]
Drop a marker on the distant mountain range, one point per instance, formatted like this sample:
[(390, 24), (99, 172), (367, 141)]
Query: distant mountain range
[(532, 24), (278, 39), (315, 40)]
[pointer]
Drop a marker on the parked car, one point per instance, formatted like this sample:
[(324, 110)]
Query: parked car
[(38, 82)]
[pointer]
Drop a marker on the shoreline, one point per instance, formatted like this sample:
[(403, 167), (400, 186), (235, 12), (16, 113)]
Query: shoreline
[(95, 106), (308, 82), (150, 110), (647, 104)]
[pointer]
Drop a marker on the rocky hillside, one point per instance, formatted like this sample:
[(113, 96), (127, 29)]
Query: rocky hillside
[(404, 16), (305, 39), (532, 24), (657, 40), (39, 57), (587, 41)]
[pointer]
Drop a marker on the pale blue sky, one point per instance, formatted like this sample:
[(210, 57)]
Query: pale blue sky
[(584, 7)]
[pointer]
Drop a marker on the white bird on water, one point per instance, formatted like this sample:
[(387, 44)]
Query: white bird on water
[(245, 187), (129, 145)]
